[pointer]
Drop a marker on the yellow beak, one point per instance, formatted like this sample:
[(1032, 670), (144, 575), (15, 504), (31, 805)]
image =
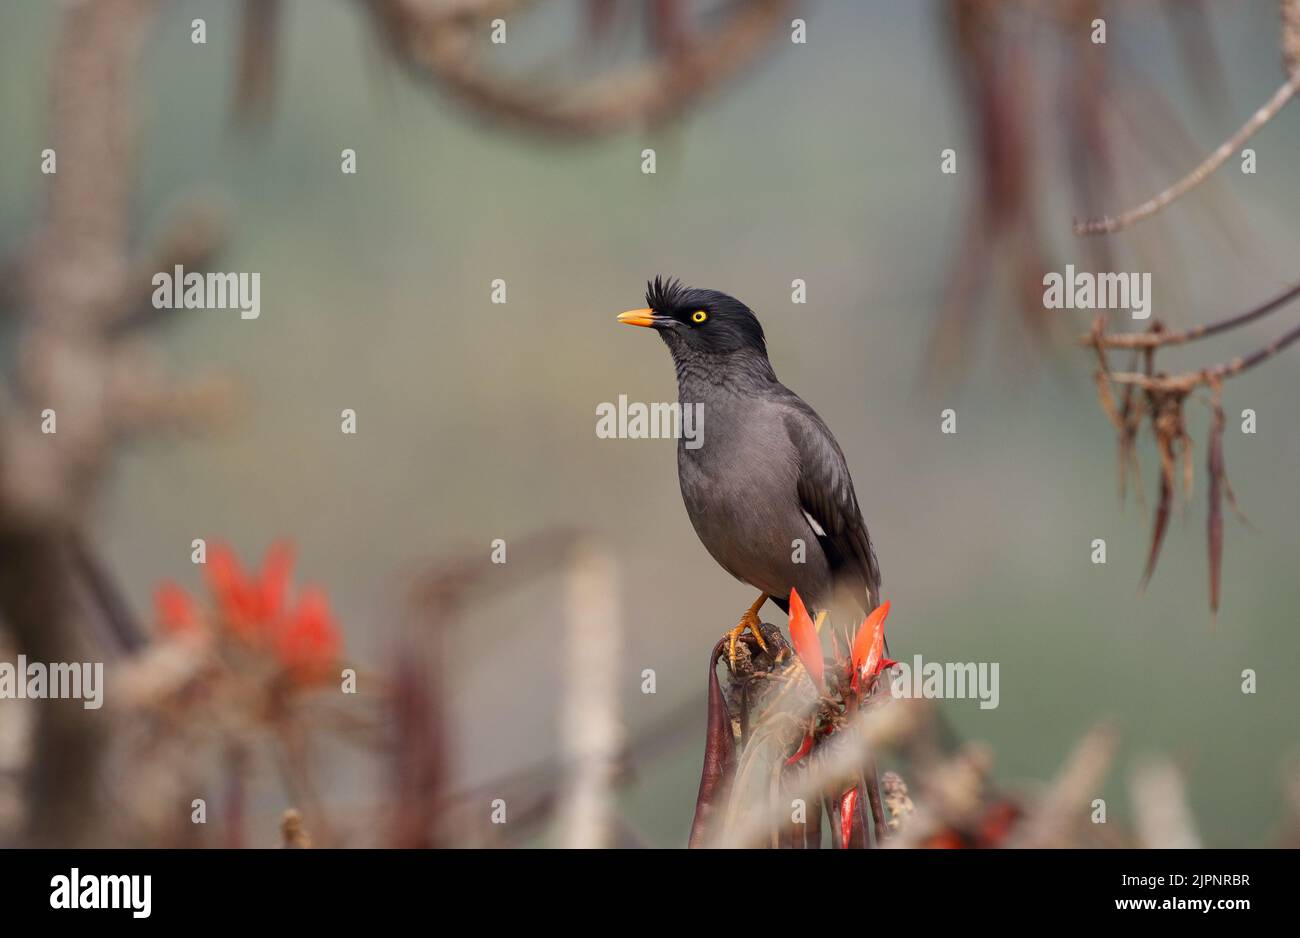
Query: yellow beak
[(637, 317)]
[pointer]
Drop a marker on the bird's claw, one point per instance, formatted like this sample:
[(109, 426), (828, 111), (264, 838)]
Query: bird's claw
[(749, 621)]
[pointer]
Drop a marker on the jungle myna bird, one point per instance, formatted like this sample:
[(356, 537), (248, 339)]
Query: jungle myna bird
[(767, 474)]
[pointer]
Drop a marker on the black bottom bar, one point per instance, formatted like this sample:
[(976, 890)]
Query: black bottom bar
[(304, 887)]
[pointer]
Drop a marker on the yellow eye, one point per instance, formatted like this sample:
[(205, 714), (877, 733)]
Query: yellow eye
[(699, 316)]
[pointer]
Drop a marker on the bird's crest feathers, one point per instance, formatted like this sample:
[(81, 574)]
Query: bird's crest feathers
[(664, 294), (728, 326)]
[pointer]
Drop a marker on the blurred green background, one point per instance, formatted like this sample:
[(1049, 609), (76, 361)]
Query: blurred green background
[(476, 421)]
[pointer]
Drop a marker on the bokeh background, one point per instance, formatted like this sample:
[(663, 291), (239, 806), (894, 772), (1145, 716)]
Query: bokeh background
[(476, 421)]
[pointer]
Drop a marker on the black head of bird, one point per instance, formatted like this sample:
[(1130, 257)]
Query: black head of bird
[(767, 489), (711, 329)]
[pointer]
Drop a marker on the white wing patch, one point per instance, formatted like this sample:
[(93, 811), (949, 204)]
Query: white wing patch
[(812, 523)]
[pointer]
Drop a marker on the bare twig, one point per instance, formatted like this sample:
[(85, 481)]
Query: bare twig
[(1188, 381), (1157, 338), (1108, 224)]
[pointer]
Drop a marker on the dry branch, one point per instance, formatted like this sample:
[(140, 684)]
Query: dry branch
[(1188, 381), (1161, 397), (1157, 338), (1108, 224), (437, 44), (74, 272)]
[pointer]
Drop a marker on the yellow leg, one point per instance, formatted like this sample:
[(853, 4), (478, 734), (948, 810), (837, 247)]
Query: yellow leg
[(748, 621)]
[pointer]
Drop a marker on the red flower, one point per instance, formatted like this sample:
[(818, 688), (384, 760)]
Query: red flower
[(848, 806), (804, 635), (305, 640), (175, 609), (869, 645), (944, 840), (308, 643), (250, 605), (997, 823), (804, 748)]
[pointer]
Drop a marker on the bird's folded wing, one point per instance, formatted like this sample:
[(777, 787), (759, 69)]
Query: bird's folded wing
[(826, 494)]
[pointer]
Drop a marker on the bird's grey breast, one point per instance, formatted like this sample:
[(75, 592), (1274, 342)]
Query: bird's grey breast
[(740, 489)]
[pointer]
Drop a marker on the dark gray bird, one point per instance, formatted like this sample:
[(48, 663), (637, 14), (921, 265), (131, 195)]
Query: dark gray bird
[(768, 474)]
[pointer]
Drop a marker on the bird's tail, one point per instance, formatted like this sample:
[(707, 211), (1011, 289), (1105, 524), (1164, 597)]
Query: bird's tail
[(851, 606)]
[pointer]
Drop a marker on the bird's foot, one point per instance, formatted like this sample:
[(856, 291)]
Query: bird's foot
[(749, 621)]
